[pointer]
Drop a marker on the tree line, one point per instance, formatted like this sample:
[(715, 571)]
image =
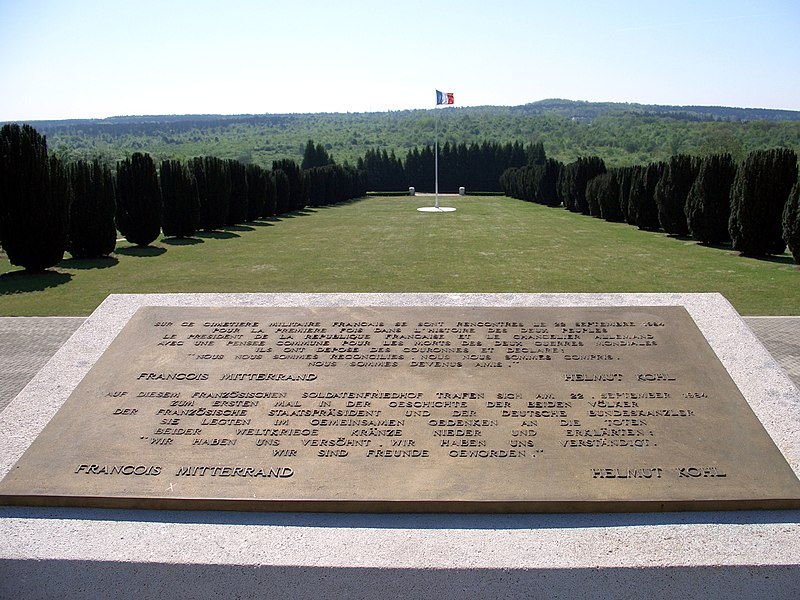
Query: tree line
[(752, 205), (49, 207), (474, 166), (623, 134)]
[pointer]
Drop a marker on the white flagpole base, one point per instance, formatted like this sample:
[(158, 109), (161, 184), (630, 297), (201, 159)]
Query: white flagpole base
[(436, 209)]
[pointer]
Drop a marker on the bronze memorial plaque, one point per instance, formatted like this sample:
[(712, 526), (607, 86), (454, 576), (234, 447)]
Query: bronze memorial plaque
[(441, 409)]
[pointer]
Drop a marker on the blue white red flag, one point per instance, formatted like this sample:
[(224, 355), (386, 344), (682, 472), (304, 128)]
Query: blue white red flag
[(444, 98)]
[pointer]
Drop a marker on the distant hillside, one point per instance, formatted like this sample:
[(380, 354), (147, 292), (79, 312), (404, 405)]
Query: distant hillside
[(592, 110), (622, 134)]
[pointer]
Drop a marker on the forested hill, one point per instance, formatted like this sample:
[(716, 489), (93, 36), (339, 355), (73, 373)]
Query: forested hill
[(622, 134), (591, 110)]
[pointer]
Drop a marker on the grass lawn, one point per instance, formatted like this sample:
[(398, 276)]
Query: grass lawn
[(381, 244)]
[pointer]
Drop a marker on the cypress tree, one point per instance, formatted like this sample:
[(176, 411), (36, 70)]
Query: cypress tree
[(397, 174), (271, 199), (309, 156), (608, 197), (592, 194), (625, 178), (34, 200), (758, 196), (412, 168), (791, 222), (315, 156), (138, 199), (672, 191), (708, 206), (256, 192), (298, 195), (535, 154), (92, 230), (282, 199), (545, 177), (576, 176), (237, 203), (180, 198), (214, 190), (642, 198), (315, 183), (510, 181), (565, 178)]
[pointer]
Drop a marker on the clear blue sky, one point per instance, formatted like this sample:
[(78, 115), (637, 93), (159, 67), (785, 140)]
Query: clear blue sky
[(99, 58)]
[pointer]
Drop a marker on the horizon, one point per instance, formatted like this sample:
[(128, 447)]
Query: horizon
[(97, 60), (590, 102)]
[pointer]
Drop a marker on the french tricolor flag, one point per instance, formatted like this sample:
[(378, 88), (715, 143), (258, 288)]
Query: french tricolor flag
[(444, 98)]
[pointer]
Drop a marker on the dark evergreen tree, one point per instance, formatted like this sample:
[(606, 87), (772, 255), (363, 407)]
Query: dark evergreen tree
[(708, 206), (758, 195), (384, 171), (334, 183), (625, 178), (316, 181), (271, 199), (533, 183), (214, 189), (546, 178), (180, 198), (92, 231), (672, 191), (237, 203), (565, 180), (593, 191), (138, 199), (34, 200), (514, 185), (791, 222), (608, 195), (298, 194), (315, 156), (256, 192), (576, 176), (535, 154), (411, 170), (282, 200), (641, 202)]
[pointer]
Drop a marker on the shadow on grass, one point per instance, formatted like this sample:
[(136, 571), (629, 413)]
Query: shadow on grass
[(238, 228), (217, 235), (681, 237), (781, 260), (303, 212), (182, 241), (266, 222), (716, 246), (100, 262), (142, 251), (21, 282), (347, 202)]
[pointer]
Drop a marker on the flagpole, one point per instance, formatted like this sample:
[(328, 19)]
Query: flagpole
[(440, 99), (436, 158)]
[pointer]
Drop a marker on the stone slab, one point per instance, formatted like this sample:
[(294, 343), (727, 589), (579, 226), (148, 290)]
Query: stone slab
[(412, 409), (26, 344), (75, 552)]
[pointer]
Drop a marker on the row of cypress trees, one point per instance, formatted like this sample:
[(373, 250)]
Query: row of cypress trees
[(752, 206), (34, 198), (475, 166), (47, 208)]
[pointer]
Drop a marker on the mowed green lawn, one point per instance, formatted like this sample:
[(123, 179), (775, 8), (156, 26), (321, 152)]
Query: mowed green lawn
[(378, 244)]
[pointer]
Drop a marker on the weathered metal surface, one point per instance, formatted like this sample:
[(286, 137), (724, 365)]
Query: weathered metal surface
[(407, 409)]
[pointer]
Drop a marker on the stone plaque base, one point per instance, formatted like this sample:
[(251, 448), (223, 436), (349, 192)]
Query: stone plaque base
[(407, 409), (121, 553)]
